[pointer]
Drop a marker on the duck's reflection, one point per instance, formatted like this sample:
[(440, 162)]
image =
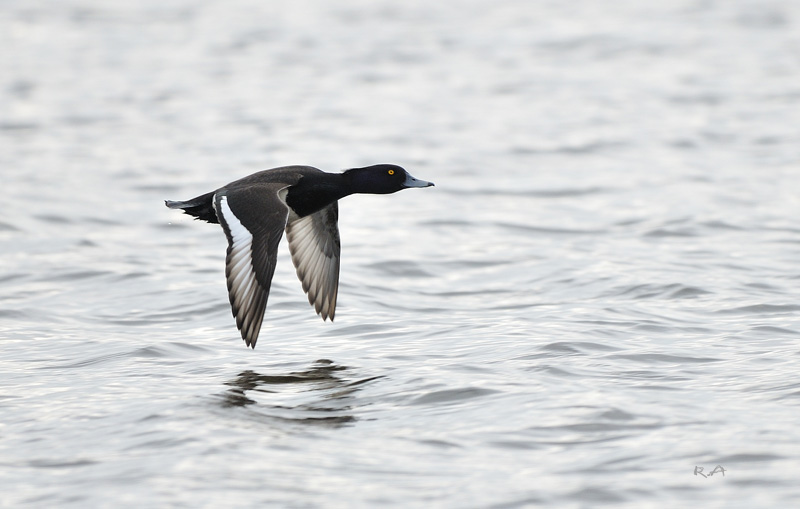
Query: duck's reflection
[(322, 394)]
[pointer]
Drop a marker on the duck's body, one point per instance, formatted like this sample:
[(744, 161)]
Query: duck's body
[(255, 210)]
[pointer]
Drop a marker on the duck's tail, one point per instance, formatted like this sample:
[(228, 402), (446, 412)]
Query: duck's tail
[(201, 207)]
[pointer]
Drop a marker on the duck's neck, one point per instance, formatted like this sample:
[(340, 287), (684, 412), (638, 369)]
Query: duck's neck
[(306, 198)]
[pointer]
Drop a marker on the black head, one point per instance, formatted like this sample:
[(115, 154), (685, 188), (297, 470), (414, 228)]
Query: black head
[(382, 179)]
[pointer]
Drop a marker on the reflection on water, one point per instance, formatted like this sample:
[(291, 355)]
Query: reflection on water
[(324, 394)]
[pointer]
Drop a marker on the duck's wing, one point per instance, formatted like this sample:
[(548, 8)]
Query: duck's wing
[(315, 247), (253, 218)]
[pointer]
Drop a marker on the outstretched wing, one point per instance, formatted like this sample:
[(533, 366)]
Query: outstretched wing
[(315, 247), (253, 219)]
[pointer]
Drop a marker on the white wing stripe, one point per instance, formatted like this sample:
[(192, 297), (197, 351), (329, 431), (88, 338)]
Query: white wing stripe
[(242, 278), (239, 233)]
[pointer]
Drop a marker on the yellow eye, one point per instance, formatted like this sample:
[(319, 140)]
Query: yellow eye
[(391, 172)]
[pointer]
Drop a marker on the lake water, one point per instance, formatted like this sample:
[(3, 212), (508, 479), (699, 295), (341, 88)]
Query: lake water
[(599, 298)]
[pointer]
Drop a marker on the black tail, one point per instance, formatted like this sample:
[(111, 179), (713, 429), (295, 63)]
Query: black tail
[(200, 207)]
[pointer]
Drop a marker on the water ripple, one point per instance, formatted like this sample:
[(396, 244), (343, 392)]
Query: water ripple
[(447, 396)]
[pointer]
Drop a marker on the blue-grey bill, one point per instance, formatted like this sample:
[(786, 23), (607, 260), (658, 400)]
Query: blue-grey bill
[(415, 182)]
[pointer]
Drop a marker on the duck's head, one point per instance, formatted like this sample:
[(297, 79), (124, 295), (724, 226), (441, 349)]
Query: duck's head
[(382, 179)]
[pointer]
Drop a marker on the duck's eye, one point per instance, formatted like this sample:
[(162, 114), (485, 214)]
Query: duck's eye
[(391, 172)]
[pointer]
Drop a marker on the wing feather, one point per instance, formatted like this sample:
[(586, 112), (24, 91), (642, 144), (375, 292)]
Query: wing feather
[(315, 247), (253, 219)]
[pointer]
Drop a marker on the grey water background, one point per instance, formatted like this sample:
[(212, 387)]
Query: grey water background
[(599, 295)]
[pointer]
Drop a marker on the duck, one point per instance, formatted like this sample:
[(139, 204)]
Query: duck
[(255, 210)]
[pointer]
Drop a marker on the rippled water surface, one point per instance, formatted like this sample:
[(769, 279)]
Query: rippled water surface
[(599, 296)]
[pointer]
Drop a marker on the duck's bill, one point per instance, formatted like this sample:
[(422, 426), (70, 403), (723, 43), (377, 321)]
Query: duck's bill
[(415, 182)]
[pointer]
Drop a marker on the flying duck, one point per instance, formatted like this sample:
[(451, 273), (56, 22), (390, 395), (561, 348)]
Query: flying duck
[(303, 200)]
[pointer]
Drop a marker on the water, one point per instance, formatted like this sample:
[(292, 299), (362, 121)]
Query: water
[(599, 296)]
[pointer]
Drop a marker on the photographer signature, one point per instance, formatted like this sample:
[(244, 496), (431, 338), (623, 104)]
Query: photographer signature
[(718, 469)]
